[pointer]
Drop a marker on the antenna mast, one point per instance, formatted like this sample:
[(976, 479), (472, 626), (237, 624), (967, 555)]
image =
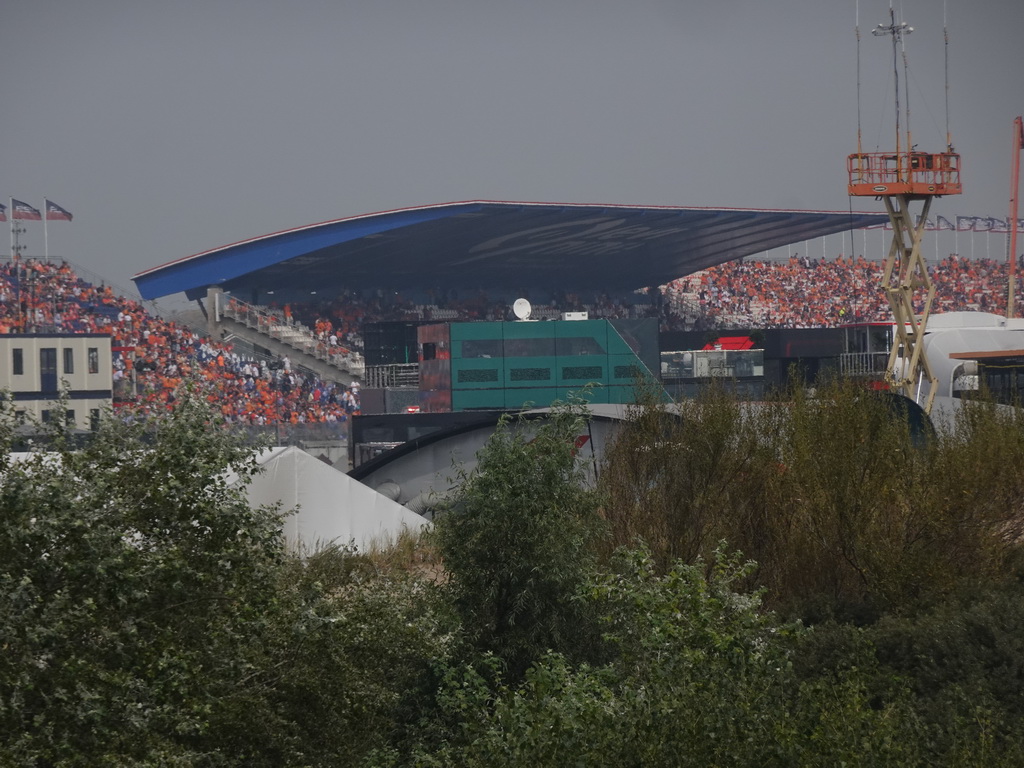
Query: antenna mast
[(945, 37), (900, 179)]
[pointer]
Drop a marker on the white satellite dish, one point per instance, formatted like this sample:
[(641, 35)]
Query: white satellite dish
[(522, 309)]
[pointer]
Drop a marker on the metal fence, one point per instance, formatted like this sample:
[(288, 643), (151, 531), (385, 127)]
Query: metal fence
[(863, 363), (294, 434)]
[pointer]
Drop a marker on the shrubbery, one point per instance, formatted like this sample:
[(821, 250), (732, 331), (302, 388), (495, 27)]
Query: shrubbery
[(847, 512), (148, 616)]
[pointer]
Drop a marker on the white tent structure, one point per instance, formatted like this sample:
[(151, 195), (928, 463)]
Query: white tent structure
[(330, 506)]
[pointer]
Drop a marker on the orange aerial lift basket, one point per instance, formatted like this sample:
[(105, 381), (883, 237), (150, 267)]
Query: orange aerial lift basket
[(874, 174)]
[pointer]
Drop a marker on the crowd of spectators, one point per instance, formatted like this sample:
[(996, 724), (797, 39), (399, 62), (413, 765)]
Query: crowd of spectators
[(796, 293), (809, 293), (154, 357)]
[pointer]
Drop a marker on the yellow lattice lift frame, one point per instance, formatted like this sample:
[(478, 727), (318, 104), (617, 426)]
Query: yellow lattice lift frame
[(905, 262), (900, 182)]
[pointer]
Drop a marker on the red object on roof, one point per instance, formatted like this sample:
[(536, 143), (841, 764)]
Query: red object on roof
[(731, 343)]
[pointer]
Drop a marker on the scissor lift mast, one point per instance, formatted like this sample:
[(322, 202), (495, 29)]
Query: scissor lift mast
[(902, 179)]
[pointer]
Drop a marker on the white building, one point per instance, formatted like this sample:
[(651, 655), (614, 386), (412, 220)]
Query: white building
[(34, 368)]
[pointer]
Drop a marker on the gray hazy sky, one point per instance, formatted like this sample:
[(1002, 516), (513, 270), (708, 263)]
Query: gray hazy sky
[(169, 128)]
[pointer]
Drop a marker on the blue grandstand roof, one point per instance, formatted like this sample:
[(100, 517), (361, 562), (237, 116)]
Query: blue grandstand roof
[(485, 244)]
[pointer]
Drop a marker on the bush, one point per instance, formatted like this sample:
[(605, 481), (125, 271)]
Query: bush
[(150, 616), (848, 513), (131, 578), (516, 542), (702, 676)]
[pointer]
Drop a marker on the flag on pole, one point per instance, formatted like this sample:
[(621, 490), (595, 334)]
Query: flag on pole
[(3, 212), (55, 213), (20, 210)]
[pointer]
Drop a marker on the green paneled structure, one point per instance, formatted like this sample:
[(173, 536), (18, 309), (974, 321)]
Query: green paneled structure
[(514, 364)]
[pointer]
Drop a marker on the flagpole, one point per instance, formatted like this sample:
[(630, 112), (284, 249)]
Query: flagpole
[(15, 271), (46, 239)]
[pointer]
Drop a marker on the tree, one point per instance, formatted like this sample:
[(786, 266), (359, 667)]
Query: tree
[(516, 541), (702, 676), (847, 511), (344, 667), (682, 477), (130, 577), (150, 616)]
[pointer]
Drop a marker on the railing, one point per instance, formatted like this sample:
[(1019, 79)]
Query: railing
[(920, 170), (687, 306), (294, 434), (286, 330), (863, 363)]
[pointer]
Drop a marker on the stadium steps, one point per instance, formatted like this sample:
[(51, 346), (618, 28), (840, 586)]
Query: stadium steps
[(295, 349), (284, 337)]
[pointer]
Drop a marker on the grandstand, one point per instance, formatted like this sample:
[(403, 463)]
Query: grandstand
[(152, 358), (312, 288), (284, 348)]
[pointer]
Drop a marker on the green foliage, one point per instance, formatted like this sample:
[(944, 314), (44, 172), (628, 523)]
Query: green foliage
[(342, 670), (515, 541), (964, 659), (976, 490), (149, 616), (846, 512), (128, 578), (885, 523), (848, 505), (959, 664), (682, 477), (702, 677)]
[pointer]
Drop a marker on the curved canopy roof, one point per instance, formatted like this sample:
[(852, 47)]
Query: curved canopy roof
[(483, 244)]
